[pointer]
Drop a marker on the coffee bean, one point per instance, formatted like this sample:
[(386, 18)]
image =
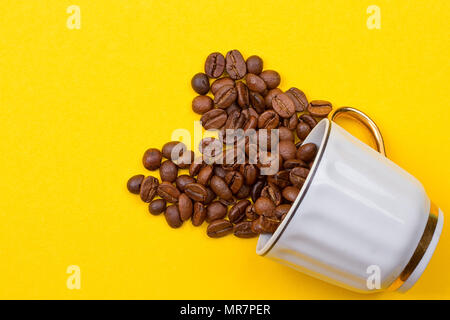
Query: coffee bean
[(285, 134), (250, 213), (292, 163), (254, 64), (264, 206), (214, 119), (291, 123), (215, 65), (282, 210), (152, 159), (169, 147), (185, 207), (283, 105), (215, 211), (205, 175), (281, 179), (235, 65), (270, 94), (271, 78), (309, 119), (255, 83), (302, 130), (257, 101), (220, 172), (172, 216), (265, 225), (149, 187), (250, 172), (271, 191), (319, 108), (235, 120), (287, 149), (200, 83), (235, 180), (307, 152), (251, 112), (219, 83), (244, 230), (298, 97), (234, 107), (195, 167), (298, 175), (168, 171), (202, 104), (182, 181), (157, 206), (251, 123), (257, 189), (219, 228), (220, 188), (290, 193), (199, 214), (196, 192), (237, 212), (242, 95), (268, 120), (185, 159), (210, 146), (168, 192), (227, 203), (244, 192), (134, 183), (225, 96), (210, 196)]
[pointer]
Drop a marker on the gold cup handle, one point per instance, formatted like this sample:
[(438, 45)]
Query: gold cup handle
[(366, 121)]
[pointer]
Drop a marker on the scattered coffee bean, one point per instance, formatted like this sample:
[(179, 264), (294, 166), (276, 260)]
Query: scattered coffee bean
[(219, 83), (269, 97), (225, 96), (234, 180), (134, 183), (237, 212), (282, 210), (309, 119), (173, 216), (169, 147), (271, 191), (185, 207), (199, 214), (168, 171), (168, 192), (215, 211), (200, 83), (258, 103), (219, 228), (196, 192), (254, 64), (307, 152), (271, 78), (268, 120), (303, 130), (215, 65), (255, 83), (319, 108), (214, 119), (220, 188), (152, 159), (202, 104), (242, 95), (264, 206), (205, 175), (287, 149), (298, 175), (290, 193), (156, 207), (257, 189), (235, 65), (283, 105), (244, 230), (182, 181), (149, 188), (265, 225), (244, 192), (299, 98)]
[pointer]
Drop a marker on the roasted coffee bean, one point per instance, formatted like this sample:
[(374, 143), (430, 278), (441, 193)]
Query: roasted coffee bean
[(219, 83), (134, 183), (168, 171), (215, 211), (234, 107), (250, 112), (257, 189), (220, 172), (281, 178), (290, 193), (200, 83), (227, 203), (243, 99), (287, 149), (176, 146), (210, 147), (237, 212), (292, 163), (215, 65), (185, 159), (157, 206), (255, 83), (265, 225), (196, 192), (254, 64), (149, 188), (283, 105), (285, 134), (219, 228), (243, 192), (195, 167), (268, 120), (199, 214), (251, 123), (271, 191), (220, 188), (270, 94), (250, 213), (302, 130), (235, 65), (173, 216), (185, 207), (214, 119), (307, 152), (309, 119), (205, 175), (291, 123), (236, 120), (244, 230), (298, 175), (235, 180), (182, 181), (271, 78), (202, 104), (225, 96), (298, 97), (257, 101), (168, 192), (210, 196), (152, 159), (264, 206), (319, 108), (250, 173), (282, 210)]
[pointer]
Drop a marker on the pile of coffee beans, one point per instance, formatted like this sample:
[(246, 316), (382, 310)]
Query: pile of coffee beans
[(234, 93)]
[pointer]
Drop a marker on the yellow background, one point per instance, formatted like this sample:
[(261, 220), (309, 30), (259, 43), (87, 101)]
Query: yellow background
[(79, 107)]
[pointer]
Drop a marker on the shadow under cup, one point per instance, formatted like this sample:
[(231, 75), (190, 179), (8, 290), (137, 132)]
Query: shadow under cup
[(360, 221)]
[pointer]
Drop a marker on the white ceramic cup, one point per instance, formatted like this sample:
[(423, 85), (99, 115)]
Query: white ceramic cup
[(358, 215)]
